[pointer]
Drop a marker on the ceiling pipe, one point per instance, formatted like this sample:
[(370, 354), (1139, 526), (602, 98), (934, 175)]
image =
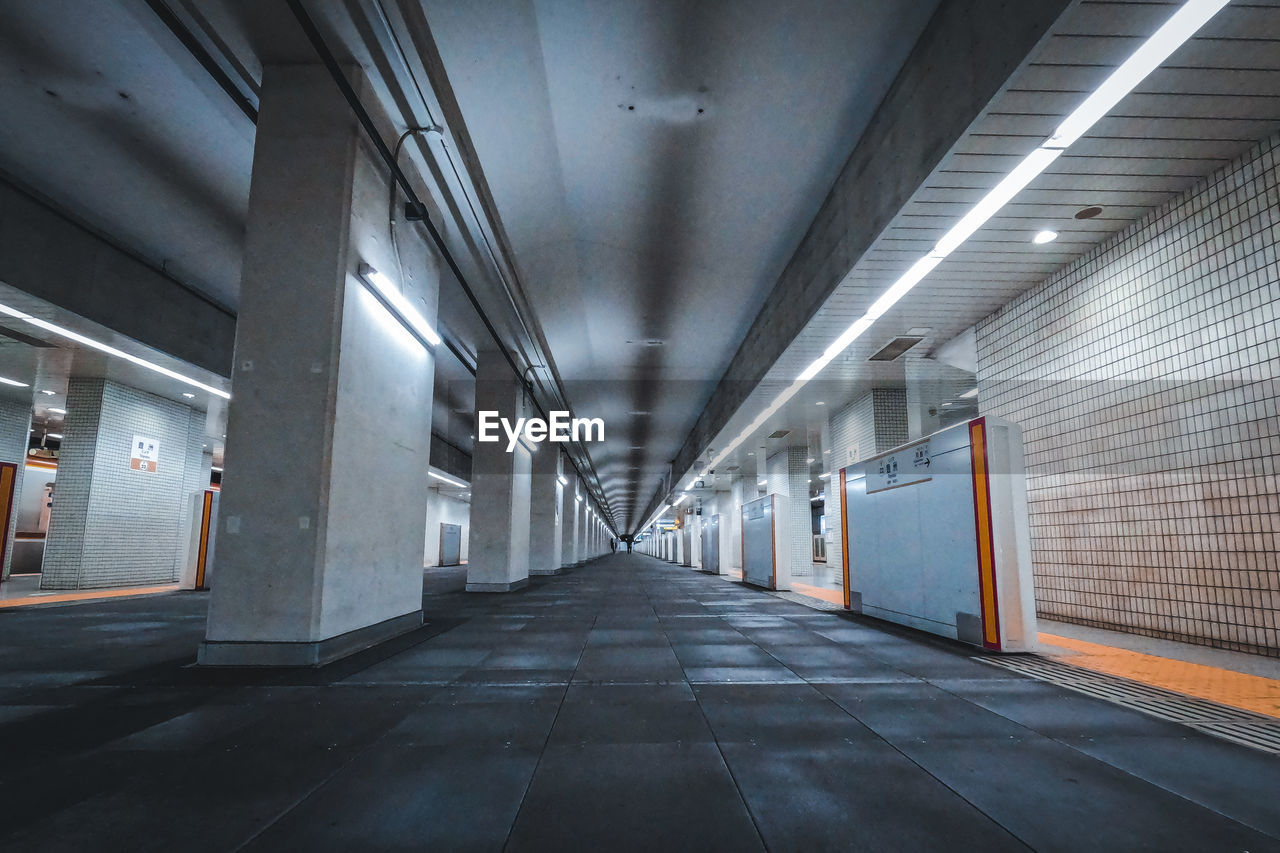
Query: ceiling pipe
[(366, 122)]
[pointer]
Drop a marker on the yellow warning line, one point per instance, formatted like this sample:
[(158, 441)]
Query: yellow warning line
[(31, 600), (1237, 689), (834, 596)]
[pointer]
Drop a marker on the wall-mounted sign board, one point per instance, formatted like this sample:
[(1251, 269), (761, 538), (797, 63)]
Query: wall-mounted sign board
[(145, 454)]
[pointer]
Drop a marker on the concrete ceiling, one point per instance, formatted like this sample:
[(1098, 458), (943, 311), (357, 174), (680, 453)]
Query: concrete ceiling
[(655, 165), (1215, 98)]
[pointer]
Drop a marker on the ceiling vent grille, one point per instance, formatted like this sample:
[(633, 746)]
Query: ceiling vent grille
[(894, 350), (782, 433)]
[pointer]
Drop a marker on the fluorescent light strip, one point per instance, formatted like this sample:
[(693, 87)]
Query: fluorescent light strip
[(1184, 23), (562, 480), (395, 302), (110, 350), (56, 435), (15, 383), (449, 480), (1155, 50)]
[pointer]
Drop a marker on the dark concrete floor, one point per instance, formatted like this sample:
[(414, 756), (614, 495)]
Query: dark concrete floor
[(627, 705)]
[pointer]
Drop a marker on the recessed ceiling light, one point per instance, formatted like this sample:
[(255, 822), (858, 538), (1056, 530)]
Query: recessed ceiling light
[(50, 393), (820, 403), (58, 411), (188, 395), (1045, 236), (56, 435)]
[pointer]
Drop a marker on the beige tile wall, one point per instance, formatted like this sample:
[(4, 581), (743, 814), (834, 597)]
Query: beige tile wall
[(1144, 379)]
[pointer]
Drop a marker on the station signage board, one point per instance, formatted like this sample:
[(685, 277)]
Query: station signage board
[(906, 466), (145, 454)]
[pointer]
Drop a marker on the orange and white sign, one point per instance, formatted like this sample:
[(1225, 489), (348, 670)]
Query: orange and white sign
[(145, 454)]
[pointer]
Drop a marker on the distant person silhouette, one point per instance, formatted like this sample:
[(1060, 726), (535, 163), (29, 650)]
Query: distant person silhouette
[(628, 546), (613, 545)]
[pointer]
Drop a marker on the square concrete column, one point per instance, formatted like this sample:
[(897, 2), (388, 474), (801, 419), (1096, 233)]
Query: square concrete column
[(568, 521), (320, 541), (737, 496), (686, 538), (545, 520), (501, 485)]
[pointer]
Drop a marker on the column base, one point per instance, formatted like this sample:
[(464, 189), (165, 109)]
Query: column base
[(298, 654), (543, 572), (508, 586)]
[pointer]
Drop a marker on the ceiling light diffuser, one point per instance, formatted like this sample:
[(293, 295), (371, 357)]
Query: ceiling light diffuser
[(1045, 236)]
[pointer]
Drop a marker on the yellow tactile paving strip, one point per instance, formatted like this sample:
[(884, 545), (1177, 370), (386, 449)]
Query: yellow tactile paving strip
[(1237, 689), (833, 596), (63, 597)]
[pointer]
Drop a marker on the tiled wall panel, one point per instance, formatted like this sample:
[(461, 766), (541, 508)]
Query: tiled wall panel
[(1144, 380), (15, 430), (111, 525)]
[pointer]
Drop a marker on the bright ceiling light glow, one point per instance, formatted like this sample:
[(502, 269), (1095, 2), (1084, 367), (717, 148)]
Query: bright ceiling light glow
[(679, 500), (578, 498), (56, 435), (902, 286), (50, 393), (823, 476), (1045, 236), (762, 482), (109, 350), (188, 395), (1155, 50), (58, 411), (1014, 182), (969, 395), (395, 302), (562, 480), (1184, 23), (15, 383), (449, 480)]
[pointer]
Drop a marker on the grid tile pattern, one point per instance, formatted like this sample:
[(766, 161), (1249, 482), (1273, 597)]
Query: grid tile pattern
[(788, 475), (111, 525), (873, 423), (15, 429), (1143, 377)]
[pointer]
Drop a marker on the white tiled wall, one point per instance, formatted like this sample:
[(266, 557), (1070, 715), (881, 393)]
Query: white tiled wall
[(871, 424), (111, 525), (1144, 379), (15, 430), (788, 475)]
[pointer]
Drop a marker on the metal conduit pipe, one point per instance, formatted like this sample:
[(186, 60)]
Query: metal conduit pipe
[(366, 122)]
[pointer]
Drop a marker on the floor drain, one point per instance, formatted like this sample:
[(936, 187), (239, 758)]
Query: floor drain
[(1234, 724)]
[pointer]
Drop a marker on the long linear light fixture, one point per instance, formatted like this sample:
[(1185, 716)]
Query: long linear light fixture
[(393, 300), (110, 350), (449, 480), (1184, 23)]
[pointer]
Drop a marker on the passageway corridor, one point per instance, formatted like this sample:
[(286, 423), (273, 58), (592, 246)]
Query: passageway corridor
[(627, 704)]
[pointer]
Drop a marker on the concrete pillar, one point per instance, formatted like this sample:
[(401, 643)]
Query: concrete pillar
[(501, 485), (114, 523), (545, 521), (15, 434), (737, 494), (686, 537), (320, 542), (568, 520)]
